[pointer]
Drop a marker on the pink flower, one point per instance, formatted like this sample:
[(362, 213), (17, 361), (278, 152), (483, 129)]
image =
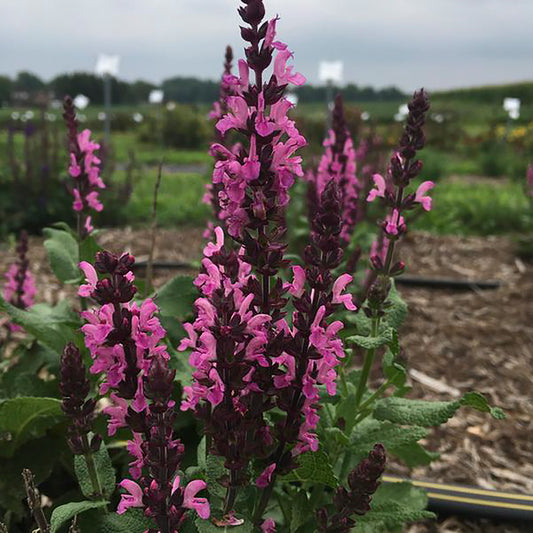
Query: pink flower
[(190, 501), (297, 287), (394, 223), (265, 477), (421, 197), (133, 499), (212, 248), (74, 169), (268, 526), (77, 205), (92, 201), (338, 287), (271, 32), (91, 277), (283, 73), (379, 182), (89, 228)]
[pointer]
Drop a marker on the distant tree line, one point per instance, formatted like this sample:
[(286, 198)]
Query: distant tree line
[(187, 90), (489, 94)]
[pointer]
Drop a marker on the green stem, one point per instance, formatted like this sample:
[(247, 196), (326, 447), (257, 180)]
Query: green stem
[(369, 359), (91, 469), (263, 502)]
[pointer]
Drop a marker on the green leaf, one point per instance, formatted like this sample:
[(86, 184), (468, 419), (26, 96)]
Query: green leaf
[(370, 432), (215, 470), (40, 456), (424, 413), (396, 312), (301, 511), (176, 298), (477, 401), (394, 505), (314, 468), (369, 343), (132, 521), (89, 248), (62, 250), (26, 418), (62, 514), (50, 325), (104, 468), (413, 454)]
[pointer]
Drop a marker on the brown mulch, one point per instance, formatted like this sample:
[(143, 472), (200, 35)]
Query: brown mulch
[(465, 340)]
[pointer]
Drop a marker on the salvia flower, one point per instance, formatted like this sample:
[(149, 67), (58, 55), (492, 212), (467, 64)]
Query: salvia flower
[(339, 164), (392, 189), (158, 489), (75, 387), (255, 181), (124, 339), (228, 342), (84, 169), (19, 289), (220, 108), (363, 482)]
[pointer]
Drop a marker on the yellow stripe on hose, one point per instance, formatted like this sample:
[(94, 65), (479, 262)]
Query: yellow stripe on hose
[(454, 488), (486, 503)]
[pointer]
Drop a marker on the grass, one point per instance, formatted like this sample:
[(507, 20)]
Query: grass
[(179, 201), (478, 208)]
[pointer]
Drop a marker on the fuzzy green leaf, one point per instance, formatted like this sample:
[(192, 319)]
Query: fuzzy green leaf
[(104, 468), (396, 312), (62, 250), (424, 413), (370, 432), (62, 514), (393, 506), (301, 511), (368, 343), (413, 454), (132, 521), (26, 418), (52, 326), (176, 298), (314, 468)]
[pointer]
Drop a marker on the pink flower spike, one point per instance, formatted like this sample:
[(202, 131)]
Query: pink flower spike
[(268, 526), (338, 287), (133, 499), (265, 477), (200, 505), (91, 277), (421, 197), (379, 182)]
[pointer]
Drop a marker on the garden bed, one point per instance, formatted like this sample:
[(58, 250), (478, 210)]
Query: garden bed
[(465, 340)]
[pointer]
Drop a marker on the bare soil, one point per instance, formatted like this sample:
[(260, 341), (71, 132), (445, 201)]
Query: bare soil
[(469, 340)]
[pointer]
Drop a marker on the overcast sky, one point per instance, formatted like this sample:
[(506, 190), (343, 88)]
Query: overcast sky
[(408, 43)]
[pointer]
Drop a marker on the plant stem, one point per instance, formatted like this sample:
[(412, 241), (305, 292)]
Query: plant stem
[(91, 469), (369, 359), (263, 502), (34, 501), (150, 263)]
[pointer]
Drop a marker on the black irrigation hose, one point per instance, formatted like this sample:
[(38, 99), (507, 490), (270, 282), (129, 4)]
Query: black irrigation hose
[(447, 283), (410, 281), (446, 498), (163, 265)]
